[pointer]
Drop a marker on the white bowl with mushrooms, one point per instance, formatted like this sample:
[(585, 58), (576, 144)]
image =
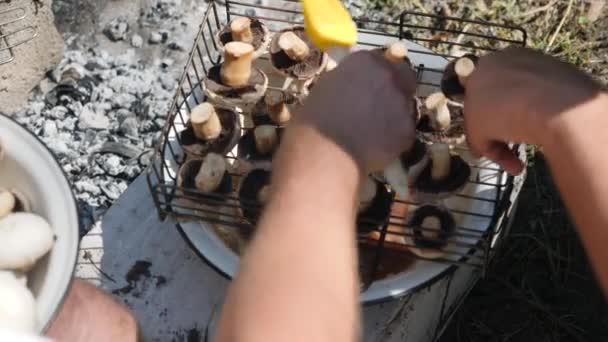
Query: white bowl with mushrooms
[(38, 231)]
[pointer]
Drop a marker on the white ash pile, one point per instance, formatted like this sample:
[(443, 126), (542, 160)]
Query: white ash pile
[(101, 115)]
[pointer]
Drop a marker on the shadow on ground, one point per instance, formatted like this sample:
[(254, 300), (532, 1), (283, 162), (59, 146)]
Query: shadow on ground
[(540, 286)]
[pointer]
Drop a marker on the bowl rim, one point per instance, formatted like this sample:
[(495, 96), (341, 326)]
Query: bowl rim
[(64, 177)]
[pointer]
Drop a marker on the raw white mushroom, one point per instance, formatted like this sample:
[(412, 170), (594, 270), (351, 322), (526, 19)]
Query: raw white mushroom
[(24, 238), (17, 305), (7, 202)]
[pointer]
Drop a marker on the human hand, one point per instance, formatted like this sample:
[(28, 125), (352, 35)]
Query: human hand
[(517, 95), (366, 107)]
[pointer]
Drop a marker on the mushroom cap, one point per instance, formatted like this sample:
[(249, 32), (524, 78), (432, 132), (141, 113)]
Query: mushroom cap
[(430, 228), (261, 36), (25, 238), (242, 99), (459, 175), (312, 65), (229, 136), (17, 305)]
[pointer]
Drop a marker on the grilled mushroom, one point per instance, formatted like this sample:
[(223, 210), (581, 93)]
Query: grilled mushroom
[(274, 108), (445, 175), (247, 30), (25, 237), (455, 76), (235, 83), (254, 192), (293, 55), (210, 129), (208, 175), (396, 53), (17, 305), (442, 121), (260, 143), (429, 228), (374, 205), (405, 170)]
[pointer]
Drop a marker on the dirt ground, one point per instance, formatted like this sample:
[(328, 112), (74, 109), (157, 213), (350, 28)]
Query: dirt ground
[(540, 286)]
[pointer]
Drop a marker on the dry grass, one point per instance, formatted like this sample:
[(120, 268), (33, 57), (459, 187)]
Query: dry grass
[(540, 287)]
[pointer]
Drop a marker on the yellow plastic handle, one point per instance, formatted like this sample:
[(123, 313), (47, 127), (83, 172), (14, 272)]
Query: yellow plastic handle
[(328, 24)]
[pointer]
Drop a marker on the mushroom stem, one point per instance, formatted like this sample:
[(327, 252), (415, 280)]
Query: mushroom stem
[(440, 116), (266, 138), (205, 122), (211, 173), (367, 192), (240, 29), (463, 68), (396, 52), (264, 194), (441, 160), (7, 203), (331, 64), (277, 108), (295, 48), (398, 178), (431, 226), (236, 69)]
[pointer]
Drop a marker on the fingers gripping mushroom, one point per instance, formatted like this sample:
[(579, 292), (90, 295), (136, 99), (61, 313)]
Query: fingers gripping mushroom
[(17, 305), (236, 69), (205, 122), (277, 107), (295, 48), (396, 52), (241, 30), (211, 173), (26, 238), (439, 113), (266, 138)]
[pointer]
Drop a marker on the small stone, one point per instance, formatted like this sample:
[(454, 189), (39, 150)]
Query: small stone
[(36, 108), (155, 38), (57, 112), (49, 129), (112, 165), (67, 124), (89, 118), (166, 63), (167, 81), (128, 127), (85, 186), (117, 29), (137, 41), (58, 147), (176, 46), (250, 12)]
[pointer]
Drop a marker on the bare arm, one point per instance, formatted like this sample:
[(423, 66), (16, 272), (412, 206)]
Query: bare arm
[(298, 280), (519, 95)]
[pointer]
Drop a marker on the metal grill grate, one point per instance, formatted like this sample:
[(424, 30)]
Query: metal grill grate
[(445, 36), (14, 31)]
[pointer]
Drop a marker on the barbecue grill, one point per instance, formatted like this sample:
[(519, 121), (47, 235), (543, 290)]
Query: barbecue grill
[(481, 210)]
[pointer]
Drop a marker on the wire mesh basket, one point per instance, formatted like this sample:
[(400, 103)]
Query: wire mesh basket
[(14, 30), (435, 39)]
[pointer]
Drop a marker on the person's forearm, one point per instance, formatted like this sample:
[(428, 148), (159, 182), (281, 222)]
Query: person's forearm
[(302, 261), (576, 152)]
